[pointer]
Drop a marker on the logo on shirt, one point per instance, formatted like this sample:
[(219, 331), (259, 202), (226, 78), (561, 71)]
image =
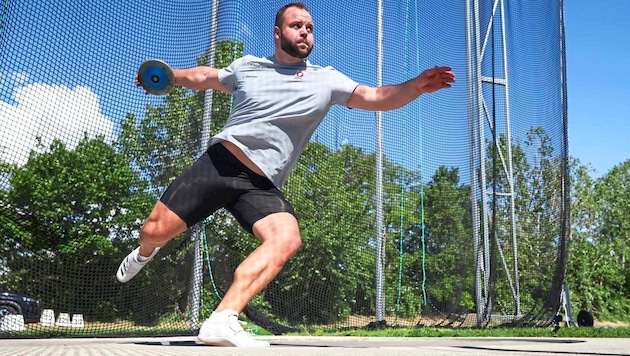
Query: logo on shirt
[(299, 74), (256, 65)]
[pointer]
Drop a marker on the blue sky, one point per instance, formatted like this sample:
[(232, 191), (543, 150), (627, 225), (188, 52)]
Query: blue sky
[(598, 52)]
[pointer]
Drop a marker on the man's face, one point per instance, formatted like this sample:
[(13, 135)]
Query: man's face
[(296, 33)]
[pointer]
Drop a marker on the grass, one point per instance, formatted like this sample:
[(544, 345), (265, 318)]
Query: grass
[(567, 332), (118, 330)]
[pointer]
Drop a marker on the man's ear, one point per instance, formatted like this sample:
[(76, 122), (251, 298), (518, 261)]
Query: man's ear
[(276, 32)]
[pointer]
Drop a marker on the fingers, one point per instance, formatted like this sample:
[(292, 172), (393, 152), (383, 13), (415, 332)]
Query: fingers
[(448, 77), (138, 85), (436, 78), (446, 73), (443, 71), (137, 81)]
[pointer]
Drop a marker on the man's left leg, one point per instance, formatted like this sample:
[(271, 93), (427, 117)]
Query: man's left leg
[(280, 237)]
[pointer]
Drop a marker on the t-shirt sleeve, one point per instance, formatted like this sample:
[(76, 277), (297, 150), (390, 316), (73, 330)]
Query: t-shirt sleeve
[(341, 87), (227, 75)]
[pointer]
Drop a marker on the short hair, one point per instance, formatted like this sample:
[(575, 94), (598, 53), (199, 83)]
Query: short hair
[(280, 13)]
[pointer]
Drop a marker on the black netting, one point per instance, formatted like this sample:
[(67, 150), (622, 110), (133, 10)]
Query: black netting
[(469, 206)]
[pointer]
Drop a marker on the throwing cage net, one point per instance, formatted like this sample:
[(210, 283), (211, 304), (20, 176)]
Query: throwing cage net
[(452, 211)]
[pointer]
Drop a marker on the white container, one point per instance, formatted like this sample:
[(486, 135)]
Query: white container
[(64, 320), (77, 321), (12, 322), (47, 318)]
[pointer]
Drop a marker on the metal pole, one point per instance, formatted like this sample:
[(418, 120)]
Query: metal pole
[(380, 230), (482, 166), (474, 188), (510, 168), (197, 282)]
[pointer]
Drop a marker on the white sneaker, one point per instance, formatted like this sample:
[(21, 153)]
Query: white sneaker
[(224, 329), (130, 266)]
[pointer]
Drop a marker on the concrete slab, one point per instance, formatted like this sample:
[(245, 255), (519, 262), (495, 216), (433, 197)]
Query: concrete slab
[(309, 346)]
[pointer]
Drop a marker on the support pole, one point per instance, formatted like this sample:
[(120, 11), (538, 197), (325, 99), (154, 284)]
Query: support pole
[(380, 230), (197, 230)]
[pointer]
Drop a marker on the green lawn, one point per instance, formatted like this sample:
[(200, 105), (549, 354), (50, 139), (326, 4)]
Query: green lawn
[(99, 330), (578, 332)]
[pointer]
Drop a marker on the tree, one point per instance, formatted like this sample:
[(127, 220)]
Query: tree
[(448, 238), (598, 273), (62, 208)]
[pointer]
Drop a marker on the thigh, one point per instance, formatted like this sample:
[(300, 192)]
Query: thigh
[(205, 187), (259, 202)]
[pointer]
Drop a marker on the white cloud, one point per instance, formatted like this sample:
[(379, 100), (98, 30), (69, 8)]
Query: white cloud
[(10, 79), (20, 78), (50, 112)]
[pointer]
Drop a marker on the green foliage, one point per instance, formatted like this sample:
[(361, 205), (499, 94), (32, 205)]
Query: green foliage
[(61, 209), (70, 216), (448, 228), (598, 271), (565, 332), (69, 200), (527, 214), (161, 145)]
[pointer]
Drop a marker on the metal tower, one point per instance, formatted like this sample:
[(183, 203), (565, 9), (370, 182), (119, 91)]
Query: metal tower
[(492, 181)]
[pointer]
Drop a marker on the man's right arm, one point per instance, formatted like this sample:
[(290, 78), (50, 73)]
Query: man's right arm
[(199, 78)]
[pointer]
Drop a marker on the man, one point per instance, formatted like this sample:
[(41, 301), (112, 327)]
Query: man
[(278, 103)]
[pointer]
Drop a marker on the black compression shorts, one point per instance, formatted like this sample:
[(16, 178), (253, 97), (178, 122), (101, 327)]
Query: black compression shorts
[(219, 180)]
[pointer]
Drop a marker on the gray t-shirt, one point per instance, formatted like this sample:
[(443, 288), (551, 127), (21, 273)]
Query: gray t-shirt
[(276, 109)]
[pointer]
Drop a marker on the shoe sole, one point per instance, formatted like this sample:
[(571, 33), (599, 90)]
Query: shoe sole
[(217, 341)]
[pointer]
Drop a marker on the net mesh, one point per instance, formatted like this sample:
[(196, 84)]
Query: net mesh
[(466, 218)]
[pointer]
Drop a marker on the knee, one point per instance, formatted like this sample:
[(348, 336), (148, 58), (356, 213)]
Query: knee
[(293, 243), (155, 232), (286, 247), (151, 231)]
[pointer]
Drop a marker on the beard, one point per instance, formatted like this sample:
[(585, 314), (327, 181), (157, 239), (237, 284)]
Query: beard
[(292, 48)]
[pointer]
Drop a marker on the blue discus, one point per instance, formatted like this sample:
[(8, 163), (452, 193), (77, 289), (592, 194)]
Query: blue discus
[(156, 77)]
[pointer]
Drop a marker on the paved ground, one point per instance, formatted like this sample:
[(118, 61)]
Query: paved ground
[(307, 346)]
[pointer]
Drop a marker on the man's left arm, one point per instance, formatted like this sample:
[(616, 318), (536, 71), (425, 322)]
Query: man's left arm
[(389, 97)]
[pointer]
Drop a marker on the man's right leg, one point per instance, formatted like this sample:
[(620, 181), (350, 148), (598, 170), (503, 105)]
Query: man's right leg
[(160, 227), (195, 194)]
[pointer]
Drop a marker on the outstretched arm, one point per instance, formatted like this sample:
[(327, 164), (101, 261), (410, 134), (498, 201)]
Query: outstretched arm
[(199, 78), (389, 97)]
